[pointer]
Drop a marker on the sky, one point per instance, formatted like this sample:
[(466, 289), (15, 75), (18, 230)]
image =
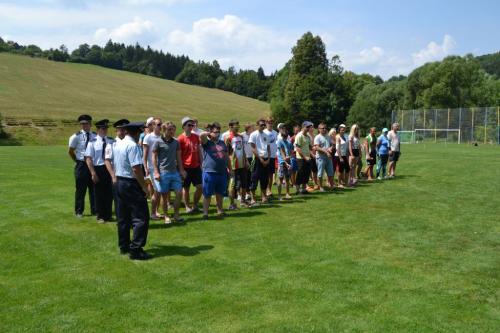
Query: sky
[(380, 37)]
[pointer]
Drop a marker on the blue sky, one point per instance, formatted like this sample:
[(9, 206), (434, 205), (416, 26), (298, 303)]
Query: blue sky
[(384, 37)]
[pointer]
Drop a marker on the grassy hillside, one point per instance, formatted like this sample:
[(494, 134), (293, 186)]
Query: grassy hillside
[(35, 88)]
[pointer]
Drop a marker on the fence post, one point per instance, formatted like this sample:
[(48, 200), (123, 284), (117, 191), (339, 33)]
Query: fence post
[(435, 125), (459, 124), (485, 123), (448, 125), (472, 128)]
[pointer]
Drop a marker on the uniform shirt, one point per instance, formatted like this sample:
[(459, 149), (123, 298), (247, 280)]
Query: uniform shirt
[(126, 155), (273, 137), (149, 140), (167, 154), (394, 140), (108, 153), (261, 141), (324, 142), (246, 145), (214, 157), (190, 150), (287, 146), (383, 148), (79, 142), (303, 141), (238, 157), (96, 149), (341, 146)]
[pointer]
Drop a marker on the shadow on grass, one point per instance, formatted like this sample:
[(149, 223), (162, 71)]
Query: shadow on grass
[(8, 140), (158, 251)]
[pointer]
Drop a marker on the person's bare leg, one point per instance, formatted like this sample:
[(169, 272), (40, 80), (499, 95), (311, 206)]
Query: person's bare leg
[(206, 204), (154, 203), (197, 196), (177, 204), (219, 199), (185, 194)]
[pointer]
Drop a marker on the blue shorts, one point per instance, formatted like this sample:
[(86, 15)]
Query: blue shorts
[(214, 183), (325, 164), (293, 163), (283, 171), (170, 181)]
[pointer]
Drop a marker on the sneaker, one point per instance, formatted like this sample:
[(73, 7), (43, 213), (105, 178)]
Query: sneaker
[(155, 217), (101, 221), (239, 197), (321, 189), (167, 220), (280, 198), (79, 216), (248, 197), (288, 197), (233, 207), (379, 178)]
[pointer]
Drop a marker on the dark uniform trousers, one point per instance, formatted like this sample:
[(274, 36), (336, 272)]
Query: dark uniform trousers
[(260, 174), (83, 181), (103, 192), (131, 212)]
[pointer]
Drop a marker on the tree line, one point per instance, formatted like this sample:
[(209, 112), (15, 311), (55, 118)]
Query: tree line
[(310, 86)]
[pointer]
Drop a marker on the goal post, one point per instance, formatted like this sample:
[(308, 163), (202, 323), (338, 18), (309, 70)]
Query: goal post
[(407, 136), (437, 135)]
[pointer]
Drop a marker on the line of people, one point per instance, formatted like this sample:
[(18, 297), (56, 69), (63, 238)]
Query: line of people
[(151, 162)]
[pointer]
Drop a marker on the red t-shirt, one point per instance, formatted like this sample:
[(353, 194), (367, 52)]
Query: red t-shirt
[(190, 150)]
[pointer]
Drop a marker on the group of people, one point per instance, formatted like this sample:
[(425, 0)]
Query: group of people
[(148, 161)]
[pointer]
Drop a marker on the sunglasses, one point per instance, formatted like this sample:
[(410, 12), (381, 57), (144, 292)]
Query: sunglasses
[(262, 125), (158, 124), (190, 125), (321, 128)]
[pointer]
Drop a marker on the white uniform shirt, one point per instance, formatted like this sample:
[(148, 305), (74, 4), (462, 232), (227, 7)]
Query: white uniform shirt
[(273, 137), (126, 155), (78, 141), (96, 150), (108, 153), (261, 141), (149, 140)]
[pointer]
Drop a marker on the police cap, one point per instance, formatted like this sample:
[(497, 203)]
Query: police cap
[(84, 118)]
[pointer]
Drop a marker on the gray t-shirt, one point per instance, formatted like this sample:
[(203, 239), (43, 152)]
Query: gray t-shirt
[(167, 154), (324, 142)]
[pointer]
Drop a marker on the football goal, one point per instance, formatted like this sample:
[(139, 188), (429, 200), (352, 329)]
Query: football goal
[(447, 135)]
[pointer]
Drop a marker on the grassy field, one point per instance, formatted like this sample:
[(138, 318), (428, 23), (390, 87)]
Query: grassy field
[(416, 254), (31, 87)]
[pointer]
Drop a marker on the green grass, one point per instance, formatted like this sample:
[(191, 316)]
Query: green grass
[(38, 88), (416, 254)]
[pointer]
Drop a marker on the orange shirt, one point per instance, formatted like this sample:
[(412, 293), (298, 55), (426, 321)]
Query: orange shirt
[(190, 150)]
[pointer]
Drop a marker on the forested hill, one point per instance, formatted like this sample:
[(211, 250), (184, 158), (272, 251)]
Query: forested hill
[(490, 63)]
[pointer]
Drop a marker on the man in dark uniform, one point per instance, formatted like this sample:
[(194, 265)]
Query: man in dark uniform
[(131, 192), (78, 143), (95, 159)]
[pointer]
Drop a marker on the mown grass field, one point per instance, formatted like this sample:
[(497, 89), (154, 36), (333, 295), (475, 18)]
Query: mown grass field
[(416, 254), (31, 87)]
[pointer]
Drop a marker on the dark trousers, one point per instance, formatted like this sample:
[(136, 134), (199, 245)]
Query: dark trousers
[(260, 174), (131, 213), (103, 192), (83, 181), (303, 172)]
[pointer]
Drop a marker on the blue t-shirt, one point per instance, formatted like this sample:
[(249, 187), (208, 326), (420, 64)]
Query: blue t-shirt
[(286, 146), (383, 148), (215, 157)]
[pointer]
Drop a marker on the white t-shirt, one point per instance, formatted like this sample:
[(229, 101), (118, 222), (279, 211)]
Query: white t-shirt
[(394, 140), (341, 146), (261, 141), (324, 142), (246, 145), (355, 141), (273, 137), (224, 136), (149, 140)]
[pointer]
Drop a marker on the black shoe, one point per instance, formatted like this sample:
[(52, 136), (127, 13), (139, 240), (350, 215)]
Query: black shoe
[(124, 251), (140, 255)]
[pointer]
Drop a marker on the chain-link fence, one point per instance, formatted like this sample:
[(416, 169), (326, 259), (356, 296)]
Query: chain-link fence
[(462, 125)]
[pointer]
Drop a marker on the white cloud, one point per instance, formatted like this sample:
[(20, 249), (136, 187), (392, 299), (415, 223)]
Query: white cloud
[(369, 56), (434, 51), (234, 42), (129, 32)]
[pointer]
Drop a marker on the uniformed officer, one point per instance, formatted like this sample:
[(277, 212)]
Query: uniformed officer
[(95, 156), (108, 154), (78, 143), (131, 192)]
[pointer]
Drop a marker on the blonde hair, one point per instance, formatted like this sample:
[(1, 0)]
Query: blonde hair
[(354, 130)]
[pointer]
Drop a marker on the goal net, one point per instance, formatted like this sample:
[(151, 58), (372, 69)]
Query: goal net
[(446, 135), (407, 136)]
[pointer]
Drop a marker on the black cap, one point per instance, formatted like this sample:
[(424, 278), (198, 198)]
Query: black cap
[(84, 117), (102, 123), (137, 125), (120, 123)]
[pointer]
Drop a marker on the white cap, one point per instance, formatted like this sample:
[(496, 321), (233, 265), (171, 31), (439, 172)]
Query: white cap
[(149, 120), (342, 125)]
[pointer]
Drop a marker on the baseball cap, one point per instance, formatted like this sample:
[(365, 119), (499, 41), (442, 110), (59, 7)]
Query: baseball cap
[(306, 124), (281, 125), (185, 120), (149, 120), (385, 130), (342, 125)]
